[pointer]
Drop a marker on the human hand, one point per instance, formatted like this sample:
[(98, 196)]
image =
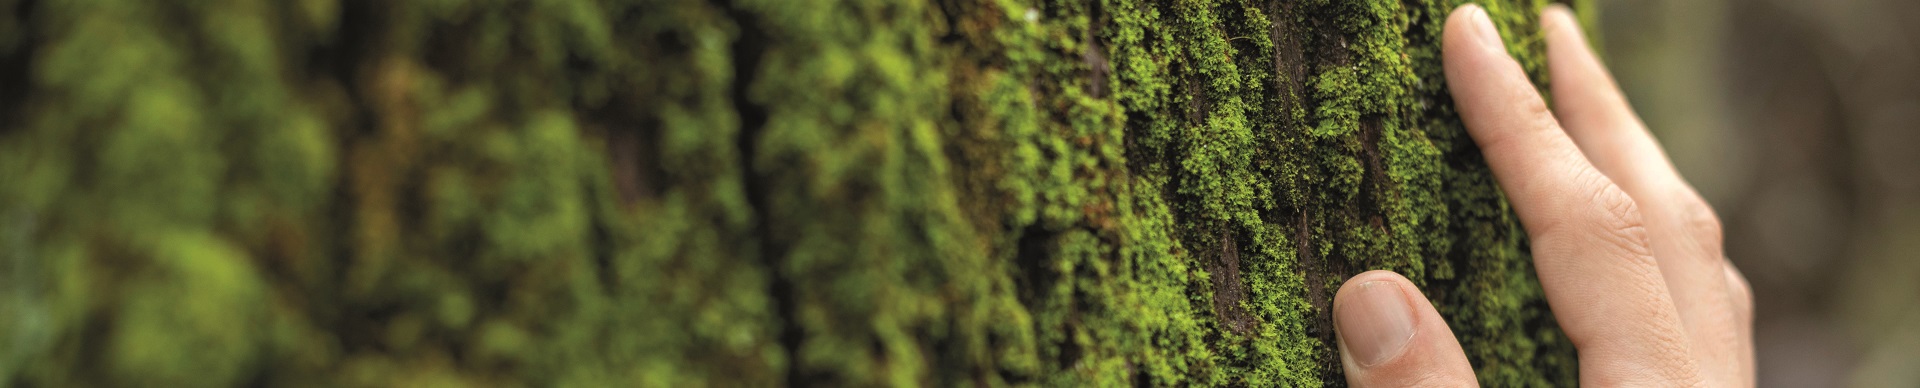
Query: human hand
[(1628, 254)]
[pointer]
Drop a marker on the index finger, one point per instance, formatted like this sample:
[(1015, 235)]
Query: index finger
[(1589, 246)]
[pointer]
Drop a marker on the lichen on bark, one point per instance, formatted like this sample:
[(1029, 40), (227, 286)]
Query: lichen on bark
[(740, 192)]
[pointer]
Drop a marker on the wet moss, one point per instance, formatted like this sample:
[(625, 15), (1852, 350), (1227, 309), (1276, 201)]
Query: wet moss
[(743, 192)]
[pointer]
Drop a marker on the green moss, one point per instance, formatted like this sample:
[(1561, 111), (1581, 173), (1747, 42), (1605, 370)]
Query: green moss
[(745, 192)]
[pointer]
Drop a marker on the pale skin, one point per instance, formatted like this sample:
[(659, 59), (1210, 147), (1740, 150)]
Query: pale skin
[(1628, 253)]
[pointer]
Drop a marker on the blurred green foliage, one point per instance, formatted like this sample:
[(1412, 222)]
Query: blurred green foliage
[(745, 192)]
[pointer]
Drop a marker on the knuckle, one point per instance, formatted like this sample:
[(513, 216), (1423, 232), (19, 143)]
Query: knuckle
[(1540, 120), (1617, 221), (1703, 222), (1592, 209), (1741, 290), (1536, 109)]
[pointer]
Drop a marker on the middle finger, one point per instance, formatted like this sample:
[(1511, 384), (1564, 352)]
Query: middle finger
[(1685, 234)]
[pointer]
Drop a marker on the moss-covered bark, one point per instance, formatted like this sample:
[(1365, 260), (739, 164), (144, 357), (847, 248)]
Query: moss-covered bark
[(738, 192)]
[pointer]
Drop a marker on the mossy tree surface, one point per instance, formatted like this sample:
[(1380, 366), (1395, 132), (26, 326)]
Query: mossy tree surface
[(739, 192)]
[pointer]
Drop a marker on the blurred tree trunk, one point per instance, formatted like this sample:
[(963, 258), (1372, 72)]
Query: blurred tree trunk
[(738, 192)]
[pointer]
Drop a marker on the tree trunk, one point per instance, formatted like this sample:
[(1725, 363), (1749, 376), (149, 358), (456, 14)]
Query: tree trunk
[(739, 192)]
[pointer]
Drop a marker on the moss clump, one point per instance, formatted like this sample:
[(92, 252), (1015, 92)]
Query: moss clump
[(743, 192)]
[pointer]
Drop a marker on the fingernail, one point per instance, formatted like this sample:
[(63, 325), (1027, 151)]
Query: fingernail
[(1376, 323), (1489, 34)]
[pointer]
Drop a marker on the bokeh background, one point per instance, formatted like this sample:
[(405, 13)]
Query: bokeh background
[(1800, 121)]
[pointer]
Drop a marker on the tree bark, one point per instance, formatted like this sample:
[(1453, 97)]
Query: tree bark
[(739, 192)]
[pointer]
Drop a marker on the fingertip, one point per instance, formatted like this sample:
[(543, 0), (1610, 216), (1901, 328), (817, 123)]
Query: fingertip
[(1558, 13), (1377, 275), (1478, 68), (1561, 25), (1566, 41), (1469, 26), (1588, 102), (1390, 335), (1493, 95), (1374, 317), (1461, 12)]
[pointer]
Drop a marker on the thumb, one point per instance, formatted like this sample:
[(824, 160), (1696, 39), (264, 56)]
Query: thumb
[(1390, 336)]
